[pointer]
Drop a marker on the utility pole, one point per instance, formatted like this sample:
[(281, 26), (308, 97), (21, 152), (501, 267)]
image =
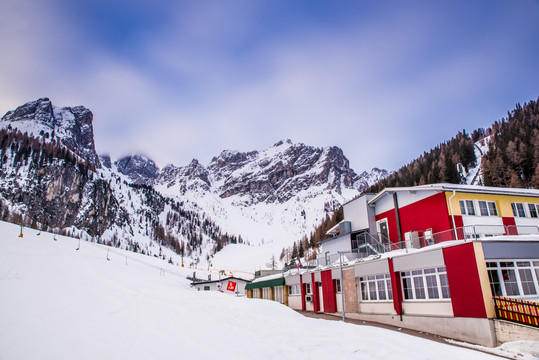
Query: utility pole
[(342, 288)]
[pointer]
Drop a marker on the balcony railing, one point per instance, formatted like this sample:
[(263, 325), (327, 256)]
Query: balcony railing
[(520, 311), (473, 232), (366, 244)]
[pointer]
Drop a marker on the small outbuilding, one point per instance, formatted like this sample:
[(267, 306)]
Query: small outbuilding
[(229, 285)]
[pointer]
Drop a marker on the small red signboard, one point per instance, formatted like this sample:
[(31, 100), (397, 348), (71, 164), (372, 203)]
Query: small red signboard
[(231, 286)]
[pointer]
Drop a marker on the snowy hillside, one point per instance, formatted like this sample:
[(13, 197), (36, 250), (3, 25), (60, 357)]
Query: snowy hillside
[(259, 201), (474, 176), (271, 197), (60, 303)]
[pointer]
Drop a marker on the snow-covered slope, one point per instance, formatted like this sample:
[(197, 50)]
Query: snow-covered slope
[(474, 176), (60, 303), (264, 199), (272, 197)]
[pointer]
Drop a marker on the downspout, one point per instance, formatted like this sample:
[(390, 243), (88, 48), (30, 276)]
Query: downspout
[(397, 218), (453, 215)]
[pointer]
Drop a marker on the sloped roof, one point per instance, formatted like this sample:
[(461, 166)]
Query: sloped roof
[(267, 283), (459, 188)]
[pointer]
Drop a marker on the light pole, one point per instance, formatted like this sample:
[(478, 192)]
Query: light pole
[(342, 287)]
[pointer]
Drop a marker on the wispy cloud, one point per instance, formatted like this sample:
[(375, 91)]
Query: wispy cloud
[(382, 82)]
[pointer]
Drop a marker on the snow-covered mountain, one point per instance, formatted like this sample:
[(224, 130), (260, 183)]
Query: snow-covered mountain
[(72, 125), (271, 197), (139, 168), (265, 199)]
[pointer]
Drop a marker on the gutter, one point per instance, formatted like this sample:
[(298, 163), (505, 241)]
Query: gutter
[(452, 214)]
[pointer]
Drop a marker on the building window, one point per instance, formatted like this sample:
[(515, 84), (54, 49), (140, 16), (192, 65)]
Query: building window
[(466, 207), (266, 293), (492, 208), (337, 285), (425, 284), (487, 208), (294, 289), (376, 288), (206, 288), (518, 209), (533, 210), (483, 209), (308, 288), (514, 278)]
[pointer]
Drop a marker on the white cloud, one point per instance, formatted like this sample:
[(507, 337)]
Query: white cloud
[(384, 89)]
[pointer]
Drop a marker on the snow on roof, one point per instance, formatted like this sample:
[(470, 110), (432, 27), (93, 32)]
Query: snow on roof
[(268, 277), (459, 188), (218, 280)]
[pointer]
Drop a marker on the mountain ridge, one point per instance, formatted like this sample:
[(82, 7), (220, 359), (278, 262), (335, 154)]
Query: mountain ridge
[(266, 198)]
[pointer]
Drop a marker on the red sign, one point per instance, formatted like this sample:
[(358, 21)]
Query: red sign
[(231, 286)]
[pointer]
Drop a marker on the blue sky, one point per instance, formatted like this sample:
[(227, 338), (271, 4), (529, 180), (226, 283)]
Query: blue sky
[(177, 80)]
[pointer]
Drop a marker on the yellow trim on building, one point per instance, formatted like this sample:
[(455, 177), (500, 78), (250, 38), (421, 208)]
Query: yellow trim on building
[(484, 280), (503, 202)]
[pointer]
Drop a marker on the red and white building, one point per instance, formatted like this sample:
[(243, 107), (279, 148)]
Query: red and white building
[(430, 258)]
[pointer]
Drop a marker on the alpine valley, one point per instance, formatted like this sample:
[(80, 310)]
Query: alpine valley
[(52, 178)]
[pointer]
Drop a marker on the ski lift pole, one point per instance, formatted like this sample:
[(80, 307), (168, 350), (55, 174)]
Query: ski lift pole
[(342, 288)]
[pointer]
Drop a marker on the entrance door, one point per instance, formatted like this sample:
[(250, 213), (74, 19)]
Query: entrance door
[(321, 297), (383, 231)]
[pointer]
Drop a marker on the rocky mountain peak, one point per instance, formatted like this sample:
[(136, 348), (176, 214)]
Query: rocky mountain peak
[(139, 168), (105, 160), (72, 125), (278, 173)]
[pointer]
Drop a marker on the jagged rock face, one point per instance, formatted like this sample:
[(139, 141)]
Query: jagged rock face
[(276, 174), (139, 168), (367, 179), (73, 125), (61, 196), (279, 173), (105, 160), (191, 177)]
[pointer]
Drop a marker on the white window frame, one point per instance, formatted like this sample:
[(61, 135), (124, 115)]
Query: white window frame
[(516, 210), (533, 210), (419, 281), (518, 268), (468, 206), (266, 293), (337, 286), (294, 289), (373, 286), (489, 207)]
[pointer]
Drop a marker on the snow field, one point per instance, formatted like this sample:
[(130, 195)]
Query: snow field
[(59, 303)]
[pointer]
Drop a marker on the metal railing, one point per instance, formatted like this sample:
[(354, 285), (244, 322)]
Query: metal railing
[(366, 244), (519, 311), (472, 232)]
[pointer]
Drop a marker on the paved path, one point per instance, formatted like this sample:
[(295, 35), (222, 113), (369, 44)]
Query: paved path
[(421, 334)]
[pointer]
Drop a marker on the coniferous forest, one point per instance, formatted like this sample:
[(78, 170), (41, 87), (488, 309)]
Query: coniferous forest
[(512, 160), (513, 156)]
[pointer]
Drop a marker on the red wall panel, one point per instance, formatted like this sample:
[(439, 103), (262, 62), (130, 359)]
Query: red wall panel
[(316, 295), (328, 292), (421, 215), (464, 283), (458, 221), (511, 225), (396, 288)]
